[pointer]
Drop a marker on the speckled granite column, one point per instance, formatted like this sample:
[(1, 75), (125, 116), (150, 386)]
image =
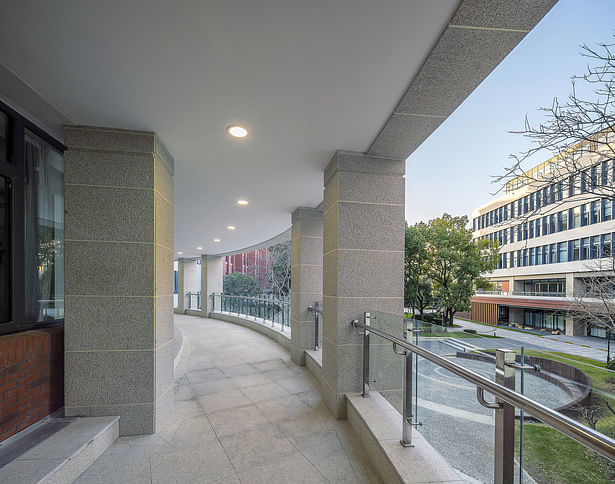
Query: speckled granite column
[(180, 287), (118, 277), (363, 263), (306, 278), (211, 281)]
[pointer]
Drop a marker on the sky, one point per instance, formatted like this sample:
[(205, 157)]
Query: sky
[(452, 170)]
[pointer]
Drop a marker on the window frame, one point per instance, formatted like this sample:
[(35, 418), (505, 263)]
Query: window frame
[(14, 170)]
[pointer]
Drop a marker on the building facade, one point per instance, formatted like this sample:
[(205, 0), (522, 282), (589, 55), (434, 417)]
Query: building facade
[(555, 233)]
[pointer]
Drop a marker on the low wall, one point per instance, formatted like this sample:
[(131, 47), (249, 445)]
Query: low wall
[(31, 378), (273, 333), (552, 371)]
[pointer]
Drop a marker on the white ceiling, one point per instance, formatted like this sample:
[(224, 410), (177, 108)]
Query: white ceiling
[(305, 77)]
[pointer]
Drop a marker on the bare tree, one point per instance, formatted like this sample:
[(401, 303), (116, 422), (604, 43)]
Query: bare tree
[(577, 135), (593, 304), (278, 268)]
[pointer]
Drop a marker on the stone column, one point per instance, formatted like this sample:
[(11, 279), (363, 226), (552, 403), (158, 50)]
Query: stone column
[(191, 281), (118, 277), (180, 287), (306, 278), (211, 281), (363, 263)]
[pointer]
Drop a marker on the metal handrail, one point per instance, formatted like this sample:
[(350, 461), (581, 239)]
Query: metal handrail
[(586, 436), (268, 307)]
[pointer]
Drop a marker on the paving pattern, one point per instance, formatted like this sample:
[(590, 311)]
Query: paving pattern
[(244, 414)]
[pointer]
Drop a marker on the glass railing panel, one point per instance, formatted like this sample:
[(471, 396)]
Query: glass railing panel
[(579, 387), (385, 366)]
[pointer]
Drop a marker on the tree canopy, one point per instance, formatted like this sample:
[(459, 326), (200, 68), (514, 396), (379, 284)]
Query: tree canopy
[(240, 284), (443, 263)]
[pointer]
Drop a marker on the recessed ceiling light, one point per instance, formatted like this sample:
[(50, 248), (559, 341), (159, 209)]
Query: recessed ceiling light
[(199, 248), (216, 240), (231, 227), (242, 202), (237, 131), (180, 253)]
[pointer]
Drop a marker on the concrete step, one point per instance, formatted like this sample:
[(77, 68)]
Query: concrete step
[(64, 455)]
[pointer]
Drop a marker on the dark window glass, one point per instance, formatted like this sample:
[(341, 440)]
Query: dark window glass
[(4, 137), (595, 212), (584, 177), (576, 217), (584, 214), (606, 245), (5, 250), (44, 230), (595, 246), (512, 259), (531, 229), (571, 185), (562, 252), (562, 221), (552, 223), (545, 196), (576, 251), (552, 194), (594, 176), (525, 231), (545, 225), (537, 223), (604, 172), (545, 254), (537, 198), (607, 209), (585, 248), (531, 201), (532, 256), (560, 192), (553, 254)]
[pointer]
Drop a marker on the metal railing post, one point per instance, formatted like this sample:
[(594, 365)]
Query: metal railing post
[(406, 437), (316, 322), (504, 468), (366, 320)]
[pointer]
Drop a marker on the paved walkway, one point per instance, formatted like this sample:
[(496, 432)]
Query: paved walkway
[(244, 414), (587, 346)]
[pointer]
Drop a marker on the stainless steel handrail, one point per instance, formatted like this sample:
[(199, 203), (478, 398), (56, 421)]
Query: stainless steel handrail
[(586, 436)]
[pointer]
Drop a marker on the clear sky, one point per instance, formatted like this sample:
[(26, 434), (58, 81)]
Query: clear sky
[(451, 171)]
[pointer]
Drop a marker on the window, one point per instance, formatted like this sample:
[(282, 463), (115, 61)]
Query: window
[(505, 212), (525, 231), (545, 225), (576, 252), (562, 221), (545, 196), (576, 217), (553, 254), (562, 252), (519, 208), (585, 248), (525, 258), (559, 192), (512, 260), (552, 194), (31, 225), (570, 185), (595, 247), (538, 255), (519, 237), (604, 172), (583, 181), (605, 241), (552, 224), (594, 176), (584, 214), (512, 209), (526, 204), (606, 209), (545, 254), (532, 256), (595, 212), (537, 224), (519, 259), (531, 229), (531, 201)]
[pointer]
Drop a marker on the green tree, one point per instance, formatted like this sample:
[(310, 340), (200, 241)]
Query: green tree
[(456, 263), (417, 286), (240, 284)]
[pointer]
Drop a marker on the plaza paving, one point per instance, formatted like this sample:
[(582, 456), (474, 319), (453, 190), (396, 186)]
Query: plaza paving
[(244, 413)]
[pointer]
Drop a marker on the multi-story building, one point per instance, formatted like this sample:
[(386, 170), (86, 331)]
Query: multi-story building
[(254, 263), (553, 232)]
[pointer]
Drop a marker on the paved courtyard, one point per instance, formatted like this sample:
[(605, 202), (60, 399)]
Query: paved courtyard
[(244, 414)]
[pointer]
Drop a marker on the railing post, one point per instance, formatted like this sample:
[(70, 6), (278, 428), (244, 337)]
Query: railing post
[(316, 322), (366, 320), (504, 468), (406, 438)]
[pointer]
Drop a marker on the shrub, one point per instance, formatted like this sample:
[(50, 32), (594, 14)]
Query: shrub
[(610, 365), (606, 426), (471, 331), (428, 317)]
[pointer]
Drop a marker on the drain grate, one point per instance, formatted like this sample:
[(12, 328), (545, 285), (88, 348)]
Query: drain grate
[(22, 444)]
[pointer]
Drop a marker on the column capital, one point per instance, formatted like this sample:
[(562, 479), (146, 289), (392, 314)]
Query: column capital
[(360, 162), (306, 212)]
